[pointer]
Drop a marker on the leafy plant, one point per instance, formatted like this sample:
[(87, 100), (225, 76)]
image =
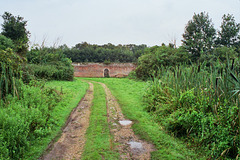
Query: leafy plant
[(49, 64), (200, 104), (10, 73)]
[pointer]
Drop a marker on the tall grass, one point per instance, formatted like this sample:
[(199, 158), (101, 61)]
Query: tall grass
[(28, 124), (10, 73), (199, 103)]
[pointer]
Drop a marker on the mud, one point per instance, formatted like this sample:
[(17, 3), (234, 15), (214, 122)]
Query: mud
[(127, 143), (71, 143)]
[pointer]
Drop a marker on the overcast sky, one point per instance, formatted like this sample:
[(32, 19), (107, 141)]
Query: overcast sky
[(150, 22)]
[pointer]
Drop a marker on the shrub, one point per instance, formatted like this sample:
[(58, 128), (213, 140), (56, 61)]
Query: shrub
[(156, 57), (5, 43), (49, 64), (199, 105), (51, 72), (10, 73), (22, 121), (132, 75)]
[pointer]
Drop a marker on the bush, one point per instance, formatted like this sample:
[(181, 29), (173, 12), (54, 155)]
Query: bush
[(22, 121), (199, 106), (48, 56), (51, 72), (5, 43), (132, 75), (10, 73), (156, 57), (49, 64)]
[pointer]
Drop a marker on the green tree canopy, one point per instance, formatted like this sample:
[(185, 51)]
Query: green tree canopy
[(85, 52), (157, 56), (5, 43), (14, 27), (199, 35), (228, 35)]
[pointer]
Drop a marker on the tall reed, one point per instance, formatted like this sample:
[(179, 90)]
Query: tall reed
[(199, 101), (10, 73)]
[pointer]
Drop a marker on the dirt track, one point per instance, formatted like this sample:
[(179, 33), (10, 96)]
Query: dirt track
[(71, 143), (129, 145)]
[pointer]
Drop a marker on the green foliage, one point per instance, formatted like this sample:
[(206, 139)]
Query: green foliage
[(199, 35), (5, 43), (132, 75), (25, 120), (199, 104), (50, 56), (28, 125), (10, 73), (107, 62), (84, 52), (158, 56), (129, 94), (49, 64), (51, 72), (228, 35), (219, 54), (14, 27)]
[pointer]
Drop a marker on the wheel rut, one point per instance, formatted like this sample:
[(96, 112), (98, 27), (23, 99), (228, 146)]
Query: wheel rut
[(127, 143), (71, 143)]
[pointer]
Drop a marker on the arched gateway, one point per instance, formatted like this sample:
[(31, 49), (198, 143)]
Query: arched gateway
[(106, 73)]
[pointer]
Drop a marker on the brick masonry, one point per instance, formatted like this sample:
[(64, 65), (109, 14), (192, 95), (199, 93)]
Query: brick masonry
[(103, 70)]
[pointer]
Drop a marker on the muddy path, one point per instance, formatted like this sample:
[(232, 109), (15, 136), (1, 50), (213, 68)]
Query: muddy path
[(127, 143), (71, 143)]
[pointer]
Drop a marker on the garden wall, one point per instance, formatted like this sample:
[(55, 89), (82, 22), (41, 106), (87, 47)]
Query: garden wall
[(103, 70)]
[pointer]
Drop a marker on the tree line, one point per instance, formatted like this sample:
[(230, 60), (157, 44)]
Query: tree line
[(85, 52), (200, 36), (201, 43)]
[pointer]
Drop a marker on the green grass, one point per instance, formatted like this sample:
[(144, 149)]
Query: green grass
[(72, 91), (99, 141), (129, 94)]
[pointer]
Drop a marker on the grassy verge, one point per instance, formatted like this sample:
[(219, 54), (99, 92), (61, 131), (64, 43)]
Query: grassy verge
[(129, 94), (72, 92), (98, 144)]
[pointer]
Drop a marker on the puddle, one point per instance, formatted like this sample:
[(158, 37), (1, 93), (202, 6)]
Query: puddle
[(125, 122), (136, 147)]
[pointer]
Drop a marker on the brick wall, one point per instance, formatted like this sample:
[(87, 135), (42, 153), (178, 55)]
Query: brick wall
[(97, 69)]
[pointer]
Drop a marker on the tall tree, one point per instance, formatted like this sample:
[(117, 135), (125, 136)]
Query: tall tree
[(228, 35), (14, 27), (199, 35)]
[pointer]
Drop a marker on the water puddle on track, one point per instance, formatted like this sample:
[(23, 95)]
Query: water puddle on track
[(128, 144), (125, 122)]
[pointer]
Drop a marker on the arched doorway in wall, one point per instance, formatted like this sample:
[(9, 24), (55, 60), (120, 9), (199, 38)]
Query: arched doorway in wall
[(106, 72)]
